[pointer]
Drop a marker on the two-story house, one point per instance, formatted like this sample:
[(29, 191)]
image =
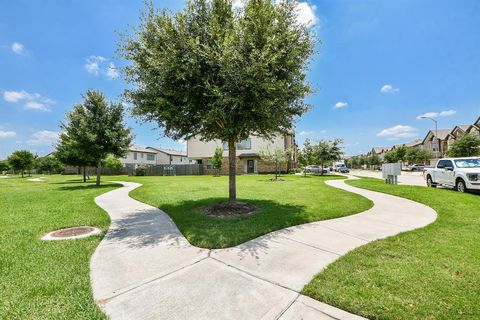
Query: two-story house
[(248, 153), (137, 156), (166, 156)]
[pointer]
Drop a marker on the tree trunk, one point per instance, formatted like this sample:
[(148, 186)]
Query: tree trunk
[(99, 169), (322, 170), (22, 173), (232, 166), (84, 175), (276, 169)]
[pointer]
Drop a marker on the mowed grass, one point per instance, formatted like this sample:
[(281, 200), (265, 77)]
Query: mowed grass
[(296, 200), (47, 279), (429, 273)]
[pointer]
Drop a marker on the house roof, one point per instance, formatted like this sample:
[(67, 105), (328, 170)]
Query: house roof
[(379, 149), (169, 151), (442, 134), (139, 149), (413, 143)]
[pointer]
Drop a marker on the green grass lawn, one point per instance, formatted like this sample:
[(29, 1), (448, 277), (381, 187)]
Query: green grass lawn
[(47, 279), (294, 201), (429, 273)]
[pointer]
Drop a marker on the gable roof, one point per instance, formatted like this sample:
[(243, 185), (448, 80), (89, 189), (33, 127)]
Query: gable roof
[(442, 134), (413, 143), (139, 149), (169, 151)]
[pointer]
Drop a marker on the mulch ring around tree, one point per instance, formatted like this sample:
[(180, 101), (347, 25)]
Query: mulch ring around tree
[(228, 210), (72, 233)]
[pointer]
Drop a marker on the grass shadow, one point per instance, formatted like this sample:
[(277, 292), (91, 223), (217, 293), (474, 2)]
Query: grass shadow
[(88, 186)]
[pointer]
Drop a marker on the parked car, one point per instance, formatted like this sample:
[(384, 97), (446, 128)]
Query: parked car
[(343, 169), (415, 167), (312, 169), (461, 173)]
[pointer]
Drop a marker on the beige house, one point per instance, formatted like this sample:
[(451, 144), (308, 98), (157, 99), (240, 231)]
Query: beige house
[(474, 129), (167, 156), (248, 153), (137, 156)]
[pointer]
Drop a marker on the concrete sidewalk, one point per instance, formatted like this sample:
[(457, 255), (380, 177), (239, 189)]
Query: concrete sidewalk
[(145, 269)]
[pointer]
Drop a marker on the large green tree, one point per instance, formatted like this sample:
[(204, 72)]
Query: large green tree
[(95, 129), (465, 146), (68, 153), (22, 160), (220, 73), (49, 164)]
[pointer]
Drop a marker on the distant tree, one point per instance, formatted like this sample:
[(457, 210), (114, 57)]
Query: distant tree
[(307, 155), (400, 153), (49, 164), (418, 155), (217, 159), (465, 146), (22, 160), (278, 156), (374, 160), (4, 165), (112, 162), (95, 129), (328, 151), (390, 156), (218, 73)]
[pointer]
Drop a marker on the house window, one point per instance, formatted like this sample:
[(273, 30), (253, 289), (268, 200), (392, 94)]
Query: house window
[(141, 155), (209, 164), (134, 156), (241, 145), (150, 157)]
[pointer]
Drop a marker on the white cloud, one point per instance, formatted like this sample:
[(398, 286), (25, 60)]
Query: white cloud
[(7, 134), (306, 133), (93, 64), (18, 48), (33, 101), (306, 14), (398, 132), (112, 71), (388, 88), (34, 105), (43, 137), (340, 104), (445, 113)]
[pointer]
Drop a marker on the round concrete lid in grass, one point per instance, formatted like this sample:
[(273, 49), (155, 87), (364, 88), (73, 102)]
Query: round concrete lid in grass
[(72, 233)]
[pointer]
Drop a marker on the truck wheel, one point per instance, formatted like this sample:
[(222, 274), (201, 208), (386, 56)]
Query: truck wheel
[(460, 185), (430, 182)]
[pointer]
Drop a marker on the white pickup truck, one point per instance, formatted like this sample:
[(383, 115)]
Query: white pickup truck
[(461, 173)]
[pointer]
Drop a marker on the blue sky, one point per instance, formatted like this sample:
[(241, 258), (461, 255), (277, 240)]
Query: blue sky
[(425, 54)]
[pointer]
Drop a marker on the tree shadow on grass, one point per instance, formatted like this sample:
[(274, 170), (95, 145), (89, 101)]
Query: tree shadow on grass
[(88, 186)]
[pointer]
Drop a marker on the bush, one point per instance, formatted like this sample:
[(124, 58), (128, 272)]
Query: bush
[(295, 170), (141, 171)]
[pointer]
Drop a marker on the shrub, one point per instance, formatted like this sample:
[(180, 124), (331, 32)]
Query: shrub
[(141, 171)]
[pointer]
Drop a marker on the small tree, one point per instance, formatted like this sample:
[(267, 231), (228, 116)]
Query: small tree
[(95, 129), (306, 156), (328, 150), (49, 164), (278, 156), (112, 162), (374, 160), (218, 73), (22, 160), (390, 156), (217, 159), (70, 154), (465, 146)]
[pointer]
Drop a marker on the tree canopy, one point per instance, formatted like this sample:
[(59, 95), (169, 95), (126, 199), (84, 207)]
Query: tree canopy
[(278, 156), (49, 164), (94, 129), (328, 151), (22, 160), (465, 146), (219, 73)]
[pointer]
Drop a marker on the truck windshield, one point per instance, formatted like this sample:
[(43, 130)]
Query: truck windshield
[(468, 163)]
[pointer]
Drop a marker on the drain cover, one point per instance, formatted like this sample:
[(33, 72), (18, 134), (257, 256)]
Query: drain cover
[(71, 233)]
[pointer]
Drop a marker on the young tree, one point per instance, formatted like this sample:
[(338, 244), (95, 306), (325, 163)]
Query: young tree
[(112, 162), (307, 155), (278, 156), (49, 164), (22, 160), (95, 129), (68, 153), (328, 150), (465, 146), (218, 73), (400, 153), (217, 159), (390, 156)]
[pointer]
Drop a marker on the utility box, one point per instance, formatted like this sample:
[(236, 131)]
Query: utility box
[(391, 171)]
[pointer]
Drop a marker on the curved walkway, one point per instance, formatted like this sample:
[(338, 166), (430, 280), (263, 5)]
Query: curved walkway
[(144, 268)]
